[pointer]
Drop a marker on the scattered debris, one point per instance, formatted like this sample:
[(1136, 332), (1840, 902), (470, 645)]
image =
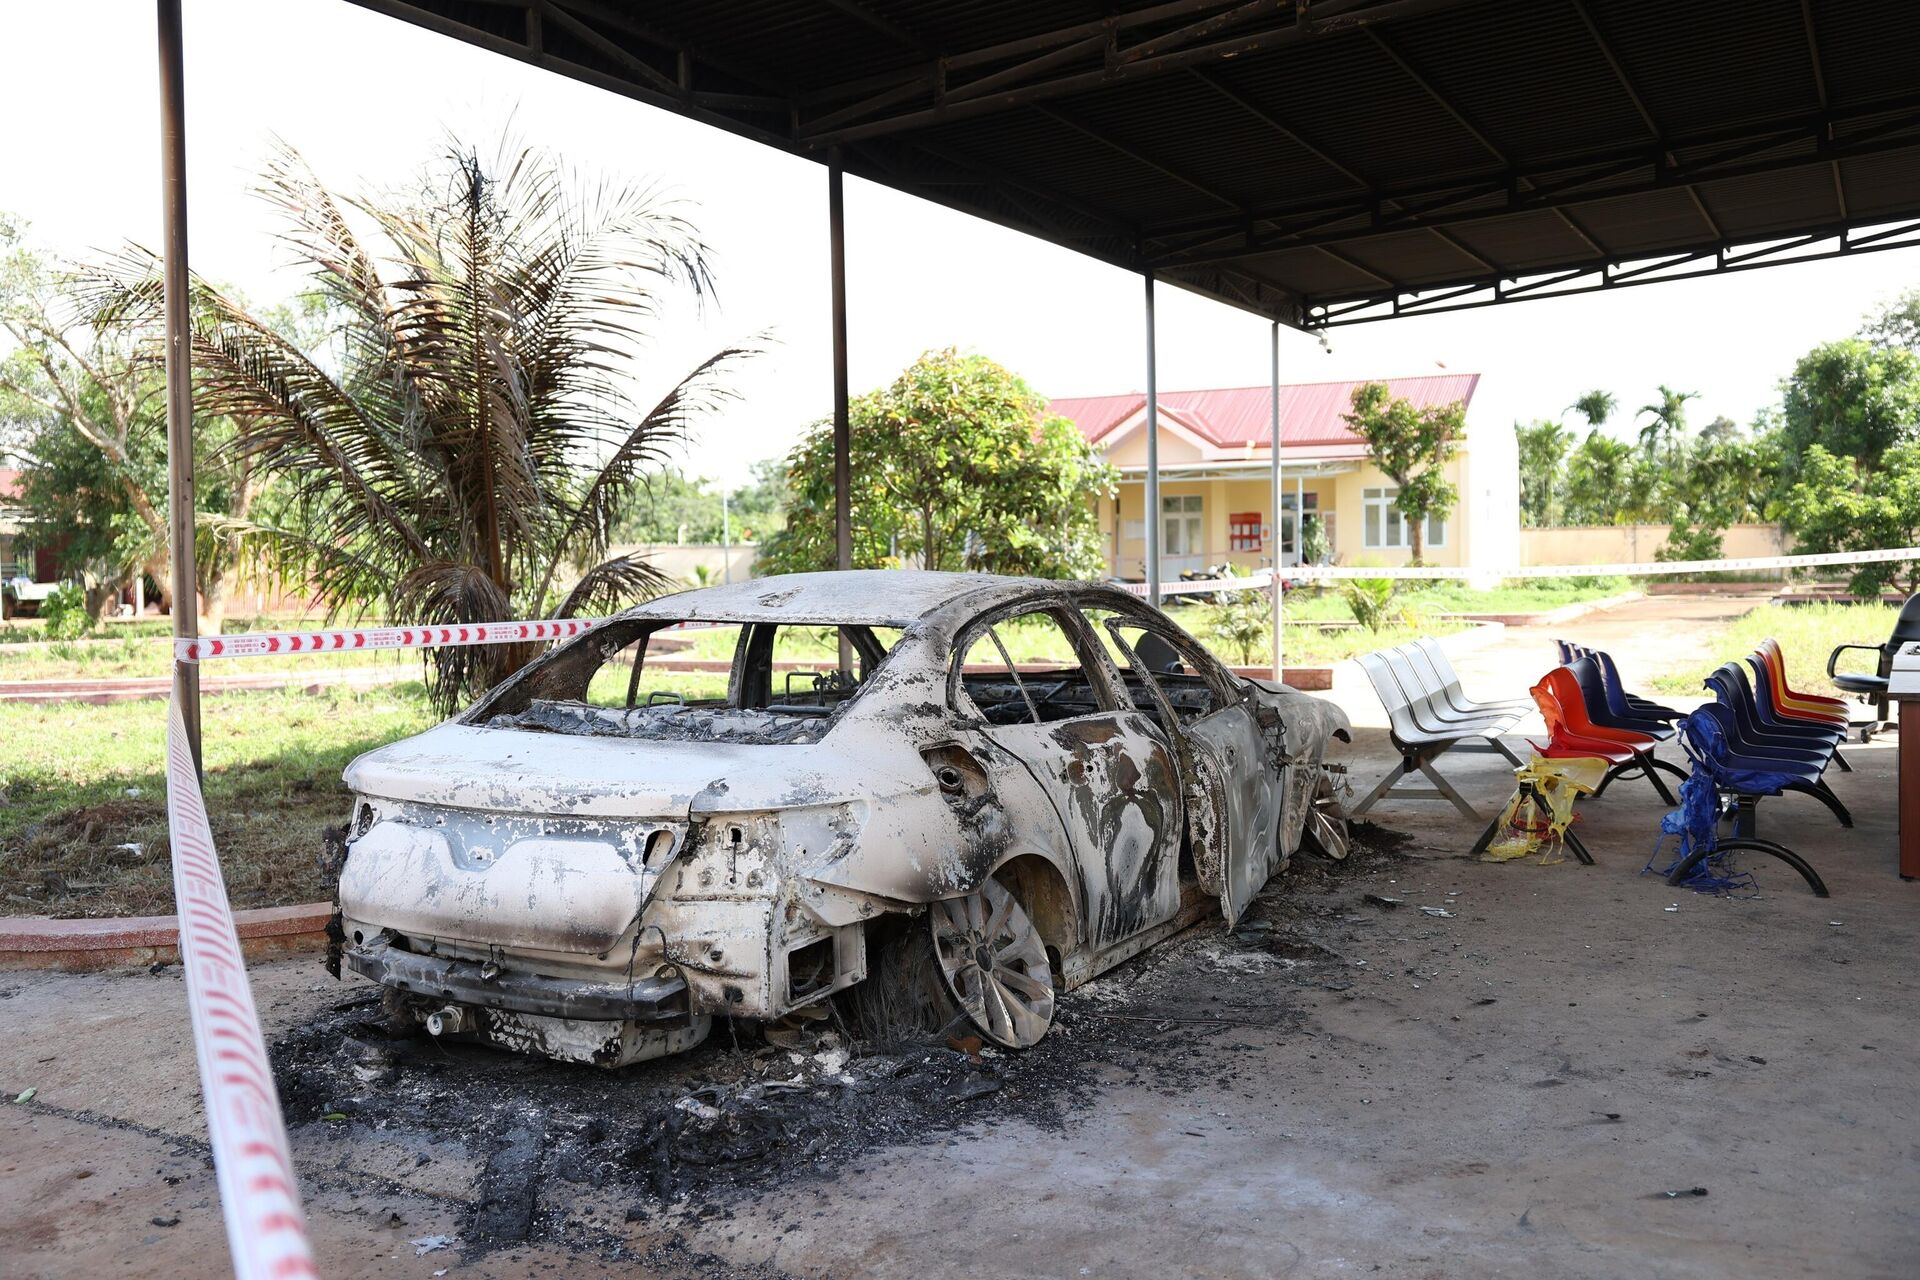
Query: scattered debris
[(1682, 1192), (1441, 912), (430, 1244), (1382, 900), (170, 1220), (26, 1095)]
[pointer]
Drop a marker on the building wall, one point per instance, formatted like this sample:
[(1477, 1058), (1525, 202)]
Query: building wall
[(1635, 543), (1340, 496), (679, 560)]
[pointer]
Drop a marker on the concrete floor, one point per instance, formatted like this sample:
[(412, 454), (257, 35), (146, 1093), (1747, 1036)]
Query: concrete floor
[(1510, 1090)]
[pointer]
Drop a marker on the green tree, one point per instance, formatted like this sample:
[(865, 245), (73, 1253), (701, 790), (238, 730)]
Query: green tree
[(84, 415), (1897, 324), (1666, 422), (669, 506), (464, 444), (1837, 505), (955, 466), (1600, 478), (1412, 446), (1853, 398), (1596, 407), (1543, 453)]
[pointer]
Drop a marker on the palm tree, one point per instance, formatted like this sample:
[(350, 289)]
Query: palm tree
[(1668, 420), (1598, 480), (470, 433), (1596, 407)]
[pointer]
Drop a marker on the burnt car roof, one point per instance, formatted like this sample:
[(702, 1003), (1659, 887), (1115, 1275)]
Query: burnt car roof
[(855, 597)]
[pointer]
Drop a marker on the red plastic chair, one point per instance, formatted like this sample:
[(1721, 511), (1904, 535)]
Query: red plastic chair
[(1571, 732)]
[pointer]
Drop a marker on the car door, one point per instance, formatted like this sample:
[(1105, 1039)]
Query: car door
[(1231, 751), (1036, 687)]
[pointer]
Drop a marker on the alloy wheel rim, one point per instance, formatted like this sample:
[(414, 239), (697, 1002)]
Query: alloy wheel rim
[(995, 964)]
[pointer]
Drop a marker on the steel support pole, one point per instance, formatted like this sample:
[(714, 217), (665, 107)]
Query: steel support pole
[(180, 499), (1152, 512), (842, 427), (1279, 525)]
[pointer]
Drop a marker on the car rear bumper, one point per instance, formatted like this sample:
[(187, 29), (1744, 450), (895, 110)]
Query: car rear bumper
[(444, 979)]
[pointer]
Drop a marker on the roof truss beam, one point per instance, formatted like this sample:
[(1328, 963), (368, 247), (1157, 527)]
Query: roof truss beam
[(1562, 185), (1101, 58), (1831, 242)]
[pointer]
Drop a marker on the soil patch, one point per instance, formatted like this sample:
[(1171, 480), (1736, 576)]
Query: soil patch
[(684, 1138)]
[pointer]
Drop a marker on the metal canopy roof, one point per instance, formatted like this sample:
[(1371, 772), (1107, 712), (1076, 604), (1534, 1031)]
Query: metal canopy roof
[(1318, 162)]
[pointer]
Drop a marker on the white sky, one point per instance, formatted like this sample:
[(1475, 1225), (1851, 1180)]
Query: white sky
[(368, 99)]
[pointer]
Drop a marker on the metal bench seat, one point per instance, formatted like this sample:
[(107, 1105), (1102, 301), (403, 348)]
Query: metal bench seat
[(1423, 726)]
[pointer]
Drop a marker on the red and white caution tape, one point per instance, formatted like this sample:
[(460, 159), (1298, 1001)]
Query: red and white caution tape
[(1260, 578), (255, 644), (266, 1231)]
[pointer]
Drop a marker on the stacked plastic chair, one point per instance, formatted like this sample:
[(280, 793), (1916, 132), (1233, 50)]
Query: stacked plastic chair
[(1759, 737), (1581, 724)]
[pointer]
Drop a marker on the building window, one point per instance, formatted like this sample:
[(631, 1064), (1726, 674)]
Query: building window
[(1291, 508), (1182, 532), (1245, 531), (1382, 526)]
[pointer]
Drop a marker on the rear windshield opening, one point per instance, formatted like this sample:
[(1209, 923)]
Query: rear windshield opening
[(749, 682)]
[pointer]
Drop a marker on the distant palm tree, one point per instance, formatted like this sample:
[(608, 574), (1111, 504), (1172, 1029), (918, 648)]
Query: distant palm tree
[(470, 434), (1667, 420), (1596, 407)]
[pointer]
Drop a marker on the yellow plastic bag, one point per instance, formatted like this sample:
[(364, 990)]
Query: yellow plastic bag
[(1524, 829)]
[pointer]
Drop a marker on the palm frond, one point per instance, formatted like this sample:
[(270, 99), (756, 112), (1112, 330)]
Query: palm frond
[(613, 585), (589, 527)]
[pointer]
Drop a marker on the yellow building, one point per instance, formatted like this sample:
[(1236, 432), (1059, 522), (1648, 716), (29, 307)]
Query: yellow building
[(1216, 487)]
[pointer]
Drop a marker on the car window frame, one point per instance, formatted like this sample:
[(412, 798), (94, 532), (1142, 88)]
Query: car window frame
[(1191, 651), (1109, 692)]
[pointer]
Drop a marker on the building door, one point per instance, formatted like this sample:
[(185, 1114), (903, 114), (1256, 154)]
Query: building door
[(1183, 539)]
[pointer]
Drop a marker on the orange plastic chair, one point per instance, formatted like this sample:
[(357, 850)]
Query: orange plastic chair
[(1790, 701)]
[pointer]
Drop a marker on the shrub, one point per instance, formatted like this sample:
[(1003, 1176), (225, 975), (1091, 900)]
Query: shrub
[(65, 611), (1370, 600), (1243, 623)]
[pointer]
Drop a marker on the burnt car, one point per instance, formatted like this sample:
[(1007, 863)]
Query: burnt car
[(734, 802)]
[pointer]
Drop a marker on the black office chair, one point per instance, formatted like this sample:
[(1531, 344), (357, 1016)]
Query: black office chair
[(1873, 687)]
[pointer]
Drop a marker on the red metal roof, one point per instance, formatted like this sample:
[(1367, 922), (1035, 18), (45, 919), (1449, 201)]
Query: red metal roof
[(1233, 417)]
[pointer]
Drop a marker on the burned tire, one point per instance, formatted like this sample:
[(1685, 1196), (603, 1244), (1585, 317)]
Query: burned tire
[(939, 976)]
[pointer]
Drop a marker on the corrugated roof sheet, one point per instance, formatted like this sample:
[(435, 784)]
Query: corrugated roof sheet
[(1296, 157), (1235, 417)]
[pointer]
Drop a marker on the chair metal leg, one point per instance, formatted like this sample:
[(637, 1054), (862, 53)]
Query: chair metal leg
[(1824, 794), (1780, 851), (1445, 788), (1841, 761), (1507, 751), (1382, 787)]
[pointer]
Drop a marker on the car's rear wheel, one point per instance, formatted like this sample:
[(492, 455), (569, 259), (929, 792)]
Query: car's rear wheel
[(993, 964), (1326, 827)]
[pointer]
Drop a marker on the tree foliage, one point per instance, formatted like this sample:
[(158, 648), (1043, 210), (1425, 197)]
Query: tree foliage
[(1411, 445), (461, 446), (1852, 398), (955, 466), (672, 506), (1836, 505), (1543, 448), (1596, 407)]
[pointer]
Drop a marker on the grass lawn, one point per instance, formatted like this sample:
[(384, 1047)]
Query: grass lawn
[(82, 783), (1806, 632), (1528, 596)]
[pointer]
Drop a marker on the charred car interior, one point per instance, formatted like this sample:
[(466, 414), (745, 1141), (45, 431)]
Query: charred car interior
[(697, 811)]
